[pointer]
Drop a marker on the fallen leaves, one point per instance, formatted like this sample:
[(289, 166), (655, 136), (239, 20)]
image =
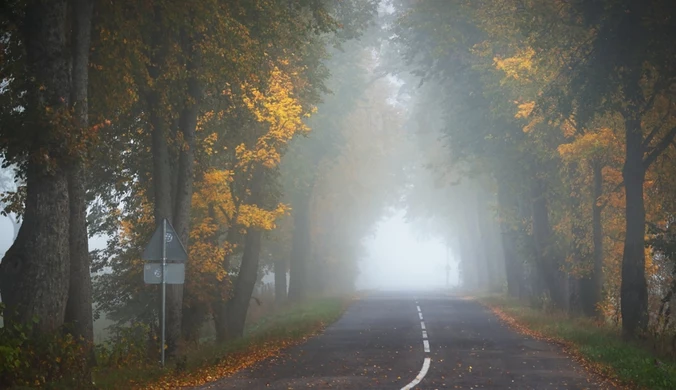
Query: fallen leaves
[(597, 370)]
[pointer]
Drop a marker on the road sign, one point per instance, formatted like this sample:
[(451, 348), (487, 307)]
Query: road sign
[(164, 246), (172, 245), (174, 273)]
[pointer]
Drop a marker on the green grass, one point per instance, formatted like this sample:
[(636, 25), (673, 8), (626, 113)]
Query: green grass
[(286, 327), (629, 363)]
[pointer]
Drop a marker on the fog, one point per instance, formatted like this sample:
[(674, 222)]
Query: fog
[(397, 258), (395, 145)]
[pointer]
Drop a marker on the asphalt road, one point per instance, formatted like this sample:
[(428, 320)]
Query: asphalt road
[(416, 341)]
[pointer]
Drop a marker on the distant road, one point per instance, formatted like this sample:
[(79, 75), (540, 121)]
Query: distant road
[(415, 341)]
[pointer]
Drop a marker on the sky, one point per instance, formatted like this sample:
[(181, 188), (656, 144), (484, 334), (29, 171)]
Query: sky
[(6, 234), (398, 258)]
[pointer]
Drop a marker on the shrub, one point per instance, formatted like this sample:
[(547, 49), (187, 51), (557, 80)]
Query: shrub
[(31, 359), (127, 347)]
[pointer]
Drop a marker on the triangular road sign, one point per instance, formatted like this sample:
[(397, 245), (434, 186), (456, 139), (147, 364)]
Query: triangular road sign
[(174, 249)]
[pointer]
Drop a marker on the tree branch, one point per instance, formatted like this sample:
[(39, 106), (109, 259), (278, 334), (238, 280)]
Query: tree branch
[(661, 147), (657, 128)]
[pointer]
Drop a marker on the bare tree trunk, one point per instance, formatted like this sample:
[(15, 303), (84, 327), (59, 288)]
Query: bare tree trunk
[(634, 289), (79, 308), (34, 274)]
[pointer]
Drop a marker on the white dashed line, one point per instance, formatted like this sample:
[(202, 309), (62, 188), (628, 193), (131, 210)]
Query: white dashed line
[(421, 375), (426, 362)]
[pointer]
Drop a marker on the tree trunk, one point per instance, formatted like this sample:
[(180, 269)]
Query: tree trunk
[(280, 281), (490, 258), (79, 306), (247, 277), (634, 290), (513, 267), (193, 319), (34, 274), (547, 263), (597, 239), (184, 184), (299, 251), (219, 305), (163, 209)]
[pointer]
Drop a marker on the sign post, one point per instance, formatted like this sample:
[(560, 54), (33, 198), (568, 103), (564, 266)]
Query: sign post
[(164, 246), (164, 285)]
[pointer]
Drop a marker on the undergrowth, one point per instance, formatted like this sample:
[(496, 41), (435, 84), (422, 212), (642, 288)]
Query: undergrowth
[(209, 361)]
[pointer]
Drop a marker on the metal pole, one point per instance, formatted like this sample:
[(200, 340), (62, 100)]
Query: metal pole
[(164, 284)]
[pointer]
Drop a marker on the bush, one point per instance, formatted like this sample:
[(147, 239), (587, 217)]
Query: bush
[(30, 359), (128, 347)]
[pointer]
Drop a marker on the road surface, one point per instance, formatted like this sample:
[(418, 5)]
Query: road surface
[(415, 341)]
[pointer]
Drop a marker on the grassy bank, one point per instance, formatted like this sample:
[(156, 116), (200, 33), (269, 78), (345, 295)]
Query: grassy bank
[(208, 362), (599, 347)]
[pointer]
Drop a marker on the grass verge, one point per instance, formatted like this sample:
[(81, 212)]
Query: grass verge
[(600, 348), (208, 362)]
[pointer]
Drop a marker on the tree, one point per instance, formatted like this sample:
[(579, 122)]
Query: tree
[(49, 257)]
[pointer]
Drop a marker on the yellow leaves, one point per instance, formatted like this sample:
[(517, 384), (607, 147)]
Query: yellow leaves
[(279, 110), (524, 109), (518, 66), (208, 143), (590, 145), (253, 216), (532, 123)]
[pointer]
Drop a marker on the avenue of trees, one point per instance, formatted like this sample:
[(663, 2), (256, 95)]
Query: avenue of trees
[(537, 137), (256, 128), (555, 170)]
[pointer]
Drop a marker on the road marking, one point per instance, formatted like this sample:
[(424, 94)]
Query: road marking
[(418, 308), (420, 315), (422, 324), (421, 375), (424, 334), (426, 344)]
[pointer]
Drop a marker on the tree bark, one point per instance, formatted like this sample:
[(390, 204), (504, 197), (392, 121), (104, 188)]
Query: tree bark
[(79, 307), (634, 289), (247, 277), (597, 239), (34, 274), (300, 248), (185, 177)]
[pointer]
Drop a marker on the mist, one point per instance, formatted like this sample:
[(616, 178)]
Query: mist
[(398, 258), (309, 150)]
